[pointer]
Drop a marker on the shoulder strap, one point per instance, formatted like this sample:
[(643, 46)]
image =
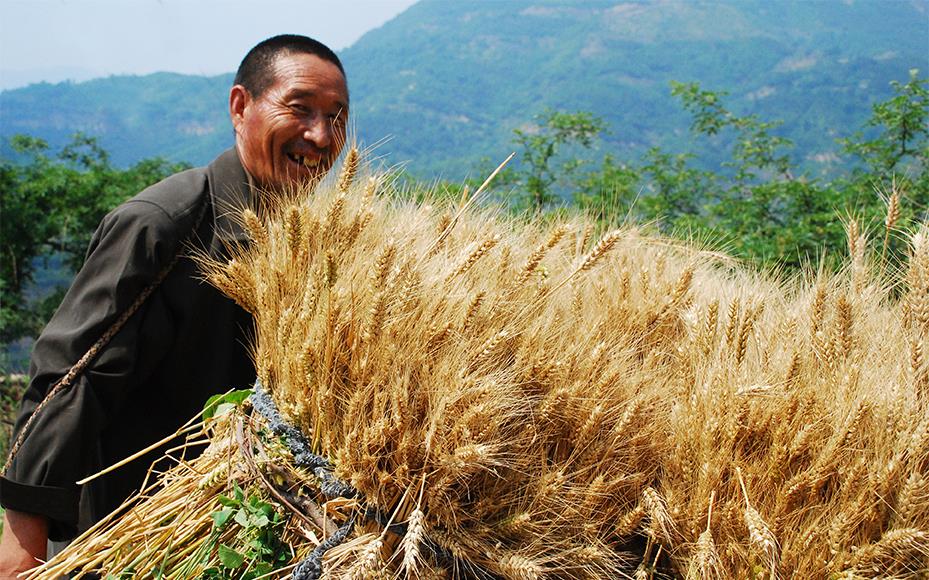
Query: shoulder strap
[(81, 365)]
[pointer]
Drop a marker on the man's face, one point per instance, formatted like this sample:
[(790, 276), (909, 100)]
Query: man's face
[(293, 131)]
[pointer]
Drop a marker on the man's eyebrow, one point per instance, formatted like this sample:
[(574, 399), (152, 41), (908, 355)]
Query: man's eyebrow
[(305, 93)]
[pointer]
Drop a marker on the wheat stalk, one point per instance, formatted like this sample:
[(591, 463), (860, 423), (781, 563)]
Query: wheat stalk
[(427, 346)]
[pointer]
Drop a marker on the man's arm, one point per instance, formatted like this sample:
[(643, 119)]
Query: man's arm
[(23, 543), (61, 446)]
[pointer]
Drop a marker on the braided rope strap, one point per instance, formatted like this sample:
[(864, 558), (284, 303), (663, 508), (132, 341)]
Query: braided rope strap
[(82, 363), (332, 487), (311, 568)]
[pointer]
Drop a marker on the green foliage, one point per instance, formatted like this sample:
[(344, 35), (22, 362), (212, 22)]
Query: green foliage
[(25, 229), (609, 191), (51, 204), (764, 213), (219, 405), (755, 148), (901, 143), (676, 192), (540, 167), (256, 548), (244, 542), (759, 205), (893, 153)]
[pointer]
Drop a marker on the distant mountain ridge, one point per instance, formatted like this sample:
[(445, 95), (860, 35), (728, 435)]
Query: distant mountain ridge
[(449, 81), (181, 117)]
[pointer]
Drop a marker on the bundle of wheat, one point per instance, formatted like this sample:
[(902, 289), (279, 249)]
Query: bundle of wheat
[(475, 396)]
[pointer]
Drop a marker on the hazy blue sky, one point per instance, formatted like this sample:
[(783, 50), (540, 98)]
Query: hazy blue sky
[(54, 40)]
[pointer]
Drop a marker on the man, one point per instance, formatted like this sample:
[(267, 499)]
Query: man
[(289, 106)]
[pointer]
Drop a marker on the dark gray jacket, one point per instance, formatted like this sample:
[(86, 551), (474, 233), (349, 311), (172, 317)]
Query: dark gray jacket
[(186, 342)]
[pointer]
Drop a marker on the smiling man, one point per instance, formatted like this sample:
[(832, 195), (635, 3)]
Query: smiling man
[(289, 116), (179, 340)]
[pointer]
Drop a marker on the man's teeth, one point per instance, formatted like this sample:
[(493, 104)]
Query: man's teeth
[(305, 161)]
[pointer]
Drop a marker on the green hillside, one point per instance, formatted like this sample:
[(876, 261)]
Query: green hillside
[(177, 116), (452, 79), (449, 81)]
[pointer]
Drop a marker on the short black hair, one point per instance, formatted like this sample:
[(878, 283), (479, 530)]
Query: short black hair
[(256, 73)]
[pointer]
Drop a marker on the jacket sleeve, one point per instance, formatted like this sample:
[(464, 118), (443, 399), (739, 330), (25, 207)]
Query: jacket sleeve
[(129, 248)]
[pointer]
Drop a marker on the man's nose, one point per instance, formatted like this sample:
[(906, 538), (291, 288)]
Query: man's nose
[(318, 131)]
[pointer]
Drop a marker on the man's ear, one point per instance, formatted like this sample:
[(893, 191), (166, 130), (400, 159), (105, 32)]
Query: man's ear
[(239, 99)]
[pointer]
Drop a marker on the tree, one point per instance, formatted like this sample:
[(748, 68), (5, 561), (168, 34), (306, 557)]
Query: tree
[(758, 204), (677, 193), (765, 211), (892, 151), (609, 191), (755, 148), (902, 126), (540, 146), (51, 206), (28, 204)]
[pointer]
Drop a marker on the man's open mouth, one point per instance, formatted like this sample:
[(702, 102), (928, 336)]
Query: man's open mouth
[(309, 162)]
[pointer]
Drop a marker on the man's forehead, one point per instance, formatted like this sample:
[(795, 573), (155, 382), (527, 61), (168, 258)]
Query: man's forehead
[(309, 73)]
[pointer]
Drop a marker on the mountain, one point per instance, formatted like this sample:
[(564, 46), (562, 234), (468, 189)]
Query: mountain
[(449, 81), (180, 117), (11, 78)]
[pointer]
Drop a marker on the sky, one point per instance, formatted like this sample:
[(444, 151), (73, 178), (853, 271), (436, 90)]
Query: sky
[(56, 40)]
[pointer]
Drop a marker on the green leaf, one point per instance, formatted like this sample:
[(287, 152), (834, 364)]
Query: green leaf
[(221, 517), (260, 547), (223, 408), (229, 557), (227, 501), (241, 518), (209, 409), (218, 405)]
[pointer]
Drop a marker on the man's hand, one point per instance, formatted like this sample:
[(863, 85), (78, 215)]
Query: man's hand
[(23, 543)]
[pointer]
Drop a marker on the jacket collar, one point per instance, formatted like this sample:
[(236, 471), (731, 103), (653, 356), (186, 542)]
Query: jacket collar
[(230, 193)]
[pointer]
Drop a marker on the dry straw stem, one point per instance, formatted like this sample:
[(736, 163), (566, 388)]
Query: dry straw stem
[(890, 220), (551, 431), (705, 562)]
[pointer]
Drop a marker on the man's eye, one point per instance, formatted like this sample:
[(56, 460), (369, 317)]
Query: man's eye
[(300, 109)]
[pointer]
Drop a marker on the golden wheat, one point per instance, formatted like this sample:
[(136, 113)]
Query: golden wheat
[(534, 411)]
